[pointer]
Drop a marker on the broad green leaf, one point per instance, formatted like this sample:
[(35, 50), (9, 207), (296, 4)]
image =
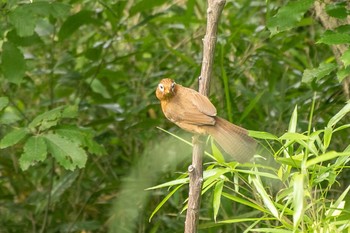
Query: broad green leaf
[(59, 10), (4, 101), (324, 69), (288, 16), (74, 22), (217, 197), (67, 153), (13, 64), (337, 117), (145, 5), (337, 10), (345, 58), (332, 38), (298, 199), (98, 87), (34, 150), (24, 20), (13, 137), (265, 197), (81, 136), (50, 118), (262, 135), (343, 73), (163, 202), (293, 121)]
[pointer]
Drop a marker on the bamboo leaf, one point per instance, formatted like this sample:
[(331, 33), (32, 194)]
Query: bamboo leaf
[(298, 199), (217, 197)]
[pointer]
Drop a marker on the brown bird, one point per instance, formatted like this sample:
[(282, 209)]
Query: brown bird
[(195, 113)]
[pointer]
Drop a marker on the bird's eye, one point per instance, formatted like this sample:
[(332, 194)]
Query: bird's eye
[(161, 87), (172, 85)]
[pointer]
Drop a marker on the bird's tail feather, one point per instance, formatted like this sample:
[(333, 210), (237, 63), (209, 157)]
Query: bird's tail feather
[(233, 139)]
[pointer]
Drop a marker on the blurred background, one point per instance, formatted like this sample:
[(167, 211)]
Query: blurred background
[(106, 57)]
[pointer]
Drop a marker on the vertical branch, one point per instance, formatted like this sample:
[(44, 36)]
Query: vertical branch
[(195, 170)]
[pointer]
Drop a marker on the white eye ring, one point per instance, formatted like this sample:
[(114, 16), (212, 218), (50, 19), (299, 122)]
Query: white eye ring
[(172, 85), (161, 87)]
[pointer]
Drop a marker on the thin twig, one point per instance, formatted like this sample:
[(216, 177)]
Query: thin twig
[(195, 170)]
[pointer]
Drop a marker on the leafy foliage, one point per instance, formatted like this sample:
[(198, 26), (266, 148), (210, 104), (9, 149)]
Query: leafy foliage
[(78, 116)]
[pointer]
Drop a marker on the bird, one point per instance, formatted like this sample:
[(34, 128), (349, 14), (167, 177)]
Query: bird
[(194, 113)]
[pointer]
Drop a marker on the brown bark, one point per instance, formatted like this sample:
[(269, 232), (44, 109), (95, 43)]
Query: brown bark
[(195, 170)]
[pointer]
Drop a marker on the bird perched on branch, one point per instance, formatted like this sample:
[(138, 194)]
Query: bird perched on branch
[(194, 113)]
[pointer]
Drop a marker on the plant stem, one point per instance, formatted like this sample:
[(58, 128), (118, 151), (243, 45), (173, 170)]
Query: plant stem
[(195, 170)]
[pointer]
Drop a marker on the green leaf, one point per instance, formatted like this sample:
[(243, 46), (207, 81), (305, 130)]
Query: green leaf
[(24, 20), (324, 69), (294, 136), (327, 137), (298, 199), (337, 117), (4, 101), (262, 135), (338, 204), (34, 150), (217, 153), (145, 5), (266, 198), (163, 201), (337, 10), (293, 121), (288, 16), (343, 73), (217, 197), (332, 38), (66, 152), (98, 87), (325, 157), (13, 137), (13, 64), (74, 22), (345, 58), (50, 118)]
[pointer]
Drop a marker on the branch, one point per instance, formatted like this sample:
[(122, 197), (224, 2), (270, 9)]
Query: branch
[(195, 170)]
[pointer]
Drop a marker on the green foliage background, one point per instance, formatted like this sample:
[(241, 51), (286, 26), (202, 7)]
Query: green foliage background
[(78, 113)]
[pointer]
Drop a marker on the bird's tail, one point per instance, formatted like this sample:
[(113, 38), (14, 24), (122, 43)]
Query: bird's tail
[(233, 139)]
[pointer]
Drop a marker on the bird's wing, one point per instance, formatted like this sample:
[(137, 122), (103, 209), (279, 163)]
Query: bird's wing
[(190, 107)]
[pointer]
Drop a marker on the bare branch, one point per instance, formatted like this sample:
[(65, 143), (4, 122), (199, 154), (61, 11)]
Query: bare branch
[(195, 170)]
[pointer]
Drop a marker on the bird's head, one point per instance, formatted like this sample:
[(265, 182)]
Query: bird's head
[(166, 89)]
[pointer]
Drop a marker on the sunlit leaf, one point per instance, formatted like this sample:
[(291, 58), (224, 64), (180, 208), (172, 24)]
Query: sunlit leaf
[(332, 38), (217, 197), (293, 121), (298, 199), (337, 117), (13, 137), (337, 10)]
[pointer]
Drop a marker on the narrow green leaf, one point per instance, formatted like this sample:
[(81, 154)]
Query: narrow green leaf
[(163, 201), (298, 199), (262, 135), (13, 64), (217, 197), (337, 117), (332, 38), (327, 137), (66, 152), (338, 204), (324, 69), (4, 101), (251, 105), (293, 121), (34, 150), (217, 153), (62, 185), (13, 137), (266, 198), (288, 16), (98, 87), (244, 202), (294, 136), (325, 157), (345, 58)]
